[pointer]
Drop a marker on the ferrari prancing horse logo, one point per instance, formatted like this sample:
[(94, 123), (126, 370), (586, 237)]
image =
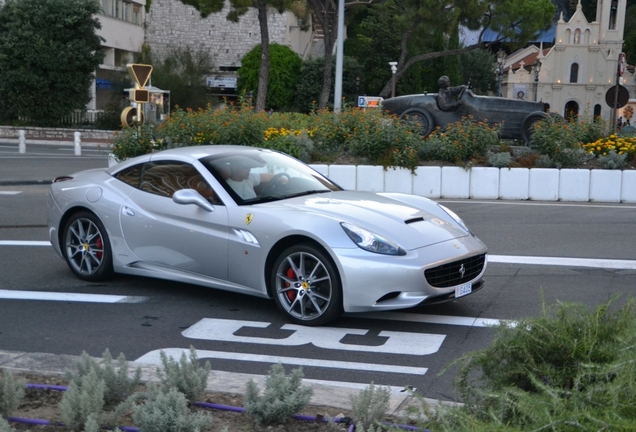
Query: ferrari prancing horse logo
[(248, 218)]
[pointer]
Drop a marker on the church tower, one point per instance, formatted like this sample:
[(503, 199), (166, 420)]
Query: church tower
[(610, 16)]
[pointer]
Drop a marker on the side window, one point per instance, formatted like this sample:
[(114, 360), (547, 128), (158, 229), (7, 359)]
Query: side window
[(164, 178), (130, 175)]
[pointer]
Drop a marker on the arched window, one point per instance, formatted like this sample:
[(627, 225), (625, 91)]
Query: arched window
[(568, 34), (597, 111), (577, 36), (574, 73), (571, 111)]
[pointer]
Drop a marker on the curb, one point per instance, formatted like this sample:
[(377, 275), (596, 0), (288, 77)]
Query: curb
[(326, 394)]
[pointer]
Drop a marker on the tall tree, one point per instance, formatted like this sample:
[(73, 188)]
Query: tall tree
[(513, 20), (238, 9), (49, 51)]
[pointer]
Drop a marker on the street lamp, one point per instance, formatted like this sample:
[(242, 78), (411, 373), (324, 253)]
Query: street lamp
[(536, 67), (501, 61), (393, 71)]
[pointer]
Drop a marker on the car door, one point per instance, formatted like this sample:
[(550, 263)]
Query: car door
[(183, 236)]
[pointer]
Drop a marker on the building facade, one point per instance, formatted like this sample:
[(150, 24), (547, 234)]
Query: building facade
[(577, 72)]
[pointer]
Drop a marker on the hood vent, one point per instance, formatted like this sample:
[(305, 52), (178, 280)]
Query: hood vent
[(417, 219)]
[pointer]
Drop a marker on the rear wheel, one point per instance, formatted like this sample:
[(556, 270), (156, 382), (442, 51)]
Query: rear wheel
[(527, 127), (307, 286), (420, 118), (87, 247)]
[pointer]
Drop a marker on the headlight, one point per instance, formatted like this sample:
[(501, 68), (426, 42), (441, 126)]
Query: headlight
[(455, 217), (371, 242)]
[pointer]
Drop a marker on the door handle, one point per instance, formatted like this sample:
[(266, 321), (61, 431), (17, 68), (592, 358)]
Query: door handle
[(128, 211)]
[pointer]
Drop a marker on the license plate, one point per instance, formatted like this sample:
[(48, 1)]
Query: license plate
[(463, 290)]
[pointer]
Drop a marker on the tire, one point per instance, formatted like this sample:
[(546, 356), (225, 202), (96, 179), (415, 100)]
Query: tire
[(86, 247), (306, 286), (421, 118), (528, 124)]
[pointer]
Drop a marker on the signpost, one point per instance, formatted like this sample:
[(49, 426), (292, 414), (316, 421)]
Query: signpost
[(140, 94), (617, 96), (370, 101)]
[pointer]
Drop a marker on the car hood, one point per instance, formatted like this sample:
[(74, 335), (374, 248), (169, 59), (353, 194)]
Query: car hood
[(410, 221)]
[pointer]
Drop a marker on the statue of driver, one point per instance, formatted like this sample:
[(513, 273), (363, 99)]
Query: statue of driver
[(446, 95)]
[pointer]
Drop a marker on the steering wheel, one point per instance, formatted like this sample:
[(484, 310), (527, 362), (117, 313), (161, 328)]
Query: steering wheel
[(273, 183), (461, 92)]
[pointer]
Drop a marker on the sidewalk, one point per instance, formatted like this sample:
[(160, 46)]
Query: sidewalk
[(325, 394)]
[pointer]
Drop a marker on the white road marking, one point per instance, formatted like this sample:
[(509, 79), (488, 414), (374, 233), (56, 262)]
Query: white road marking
[(407, 343), (430, 319), (10, 192), (154, 358), (542, 204), (24, 243), (568, 262), (70, 297)]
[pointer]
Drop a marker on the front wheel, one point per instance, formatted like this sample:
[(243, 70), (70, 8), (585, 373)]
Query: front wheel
[(87, 247), (306, 286)]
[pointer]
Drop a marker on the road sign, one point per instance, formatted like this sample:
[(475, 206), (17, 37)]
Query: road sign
[(621, 101), (141, 95), (370, 101), (140, 72), (130, 116)]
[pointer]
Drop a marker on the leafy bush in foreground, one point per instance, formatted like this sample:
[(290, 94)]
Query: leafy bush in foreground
[(567, 370), (11, 393)]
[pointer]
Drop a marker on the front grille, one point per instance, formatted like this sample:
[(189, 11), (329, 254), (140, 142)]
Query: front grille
[(449, 275)]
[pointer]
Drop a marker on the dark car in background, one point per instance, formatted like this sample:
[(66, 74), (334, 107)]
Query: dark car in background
[(516, 116)]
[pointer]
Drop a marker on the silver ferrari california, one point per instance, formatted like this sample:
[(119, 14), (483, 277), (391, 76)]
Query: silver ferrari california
[(259, 222)]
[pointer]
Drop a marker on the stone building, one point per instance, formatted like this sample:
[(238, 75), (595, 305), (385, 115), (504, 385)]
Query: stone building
[(576, 73), (171, 24)]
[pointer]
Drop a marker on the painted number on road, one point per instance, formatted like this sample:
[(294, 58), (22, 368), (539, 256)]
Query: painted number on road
[(322, 337)]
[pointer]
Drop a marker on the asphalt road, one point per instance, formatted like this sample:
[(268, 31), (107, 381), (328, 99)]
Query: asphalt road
[(578, 252)]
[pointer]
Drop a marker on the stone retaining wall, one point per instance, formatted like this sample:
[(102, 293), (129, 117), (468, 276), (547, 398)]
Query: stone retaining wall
[(37, 135)]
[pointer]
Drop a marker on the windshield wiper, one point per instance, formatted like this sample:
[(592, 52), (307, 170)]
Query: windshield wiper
[(271, 198)]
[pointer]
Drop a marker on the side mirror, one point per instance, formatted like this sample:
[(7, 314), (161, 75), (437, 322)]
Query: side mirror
[(190, 196)]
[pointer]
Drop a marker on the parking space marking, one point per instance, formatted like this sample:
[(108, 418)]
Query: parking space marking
[(567, 262), (153, 358), (24, 243), (68, 297), (10, 192), (430, 319)]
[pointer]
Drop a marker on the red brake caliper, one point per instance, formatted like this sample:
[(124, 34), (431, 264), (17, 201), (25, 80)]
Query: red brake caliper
[(99, 245), (291, 294)]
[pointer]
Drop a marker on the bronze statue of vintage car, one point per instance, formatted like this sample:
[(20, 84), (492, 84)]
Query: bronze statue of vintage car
[(515, 116)]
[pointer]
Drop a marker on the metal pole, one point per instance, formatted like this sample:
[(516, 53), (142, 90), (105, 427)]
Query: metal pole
[(337, 98), (615, 107)]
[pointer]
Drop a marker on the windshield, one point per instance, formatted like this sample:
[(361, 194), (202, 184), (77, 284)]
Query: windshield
[(253, 176)]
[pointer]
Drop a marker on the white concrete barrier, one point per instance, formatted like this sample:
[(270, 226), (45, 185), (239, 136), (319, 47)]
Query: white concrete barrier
[(605, 185), (21, 141), (544, 184), (513, 183), (484, 183), (370, 178), (455, 182), (427, 181), (398, 180), (628, 188), (574, 185), (343, 175)]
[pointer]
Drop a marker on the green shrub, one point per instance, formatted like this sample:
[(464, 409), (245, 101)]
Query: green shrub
[(168, 412), (82, 399), (136, 141), (283, 397), (187, 376), (11, 393), (561, 140), (5, 426), (567, 370), (370, 406), (119, 385), (613, 160), (463, 140), (499, 160), (284, 72)]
